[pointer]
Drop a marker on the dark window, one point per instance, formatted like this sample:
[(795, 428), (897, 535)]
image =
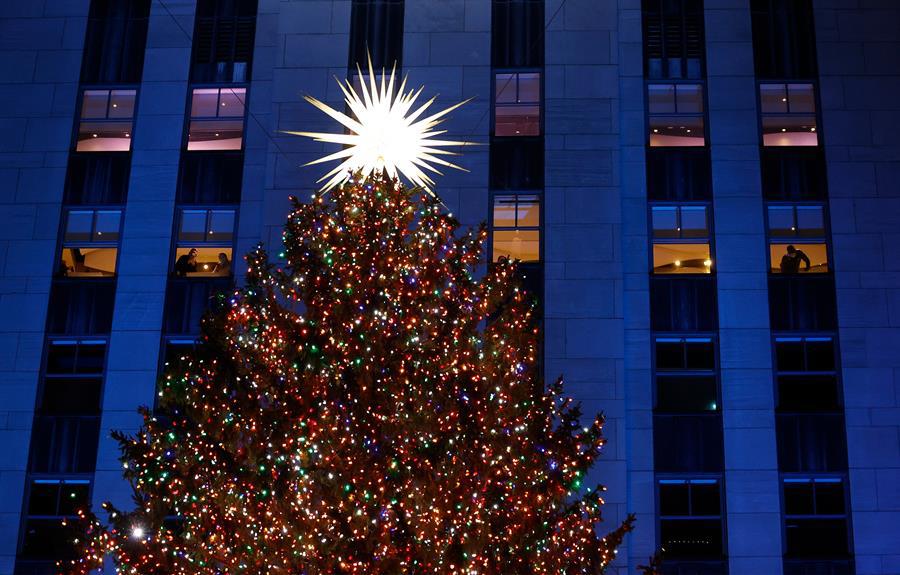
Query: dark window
[(517, 104), (517, 164), (690, 518), (71, 395), (114, 42), (687, 443), (811, 442), (678, 174), (793, 173), (686, 393), (818, 566), (73, 377), (784, 44), (806, 374), (187, 301), (217, 119), (685, 354), (75, 357), (106, 120), (210, 178), (45, 540), (376, 29), (223, 40), (97, 179), (683, 304), (58, 497), (517, 33), (673, 38), (802, 303), (815, 518), (516, 227), (81, 307), (64, 444), (675, 113)]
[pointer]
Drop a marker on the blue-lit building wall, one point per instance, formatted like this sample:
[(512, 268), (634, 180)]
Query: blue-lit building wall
[(595, 265)]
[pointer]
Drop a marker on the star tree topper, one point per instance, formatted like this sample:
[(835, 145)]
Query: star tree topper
[(385, 136)]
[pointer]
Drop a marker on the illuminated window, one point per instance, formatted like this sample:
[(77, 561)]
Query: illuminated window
[(204, 243), (517, 228), (798, 258), (690, 518), (107, 117), (517, 104), (90, 243), (217, 119), (681, 258), (815, 517), (788, 114), (676, 115)]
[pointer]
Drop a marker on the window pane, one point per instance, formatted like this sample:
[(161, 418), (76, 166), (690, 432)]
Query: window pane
[(91, 357), (676, 131), (669, 354), (204, 102), (705, 498), (689, 98), (798, 498), (810, 221), (691, 538), (94, 104), (673, 498), (665, 221), (789, 355), (215, 135), (773, 98), (798, 258), (106, 226), (506, 89), (797, 393), (193, 226), (73, 496), (104, 137), (202, 262), (681, 259), (661, 98), (505, 211), (781, 221), (523, 245), (686, 394), (815, 537), (88, 262), (43, 498), (700, 354), (78, 225), (517, 120), (71, 396), (789, 131), (693, 222), (801, 98), (121, 103), (61, 357), (820, 354), (231, 102), (829, 497), (221, 226), (530, 88), (528, 212)]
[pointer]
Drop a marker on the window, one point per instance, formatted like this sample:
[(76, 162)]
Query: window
[(64, 443), (687, 443), (784, 44), (114, 42), (684, 375), (73, 377), (798, 258), (678, 174), (685, 354), (205, 240), (49, 502), (802, 303), (517, 164), (76, 357), (223, 40), (97, 179), (683, 304), (106, 121), (217, 119), (80, 308), (90, 243), (806, 374), (517, 104), (796, 221), (815, 517), (676, 115), (673, 38), (793, 173), (686, 394), (517, 228), (376, 31), (811, 442), (788, 114), (680, 239), (210, 178), (517, 33), (690, 518), (187, 301), (797, 239)]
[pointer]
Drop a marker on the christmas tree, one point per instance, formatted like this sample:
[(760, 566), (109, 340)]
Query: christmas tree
[(365, 406)]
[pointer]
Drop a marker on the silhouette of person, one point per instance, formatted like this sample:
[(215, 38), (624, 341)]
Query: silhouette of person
[(223, 267), (790, 262), (186, 263)]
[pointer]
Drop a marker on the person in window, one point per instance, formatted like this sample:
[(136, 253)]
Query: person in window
[(790, 262), (186, 263), (223, 266)]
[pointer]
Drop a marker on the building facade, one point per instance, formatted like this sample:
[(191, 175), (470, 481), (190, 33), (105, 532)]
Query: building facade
[(703, 192)]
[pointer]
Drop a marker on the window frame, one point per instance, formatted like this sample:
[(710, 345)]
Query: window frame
[(704, 115), (540, 103), (690, 479), (814, 478), (189, 118), (178, 244), (835, 373), (824, 239), (686, 373), (539, 195), (817, 114), (709, 240), (64, 244), (79, 106)]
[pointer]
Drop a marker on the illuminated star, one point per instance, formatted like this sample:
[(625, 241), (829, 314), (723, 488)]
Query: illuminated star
[(385, 136)]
